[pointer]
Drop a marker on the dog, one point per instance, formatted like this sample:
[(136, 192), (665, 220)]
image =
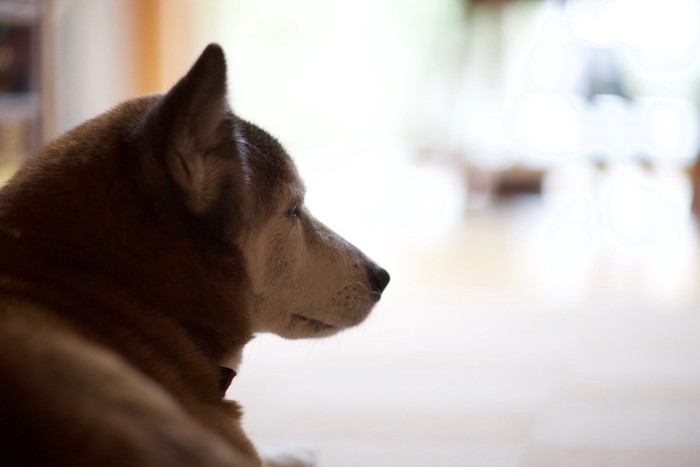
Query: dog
[(139, 253)]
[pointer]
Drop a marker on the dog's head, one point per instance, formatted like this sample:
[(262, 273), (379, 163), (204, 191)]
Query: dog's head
[(239, 182), (306, 279), (175, 200)]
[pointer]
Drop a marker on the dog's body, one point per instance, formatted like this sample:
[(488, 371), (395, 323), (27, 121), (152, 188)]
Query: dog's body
[(139, 253)]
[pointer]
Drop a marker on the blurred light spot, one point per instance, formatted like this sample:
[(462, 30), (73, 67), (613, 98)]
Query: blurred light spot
[(546, 123)]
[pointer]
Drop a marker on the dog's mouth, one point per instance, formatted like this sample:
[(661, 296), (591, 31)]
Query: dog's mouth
[(318, 325)]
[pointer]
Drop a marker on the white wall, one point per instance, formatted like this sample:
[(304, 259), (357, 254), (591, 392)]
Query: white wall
[(95, 66)]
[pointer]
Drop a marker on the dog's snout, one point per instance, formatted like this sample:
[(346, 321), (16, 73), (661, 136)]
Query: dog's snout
[(378, 279)]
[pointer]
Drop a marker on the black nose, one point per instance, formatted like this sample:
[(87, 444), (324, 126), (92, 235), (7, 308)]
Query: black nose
[(378, 279)]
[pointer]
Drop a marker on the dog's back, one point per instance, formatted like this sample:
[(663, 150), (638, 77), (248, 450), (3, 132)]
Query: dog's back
[(92, 372)]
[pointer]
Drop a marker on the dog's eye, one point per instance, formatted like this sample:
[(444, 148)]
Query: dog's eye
[(293, 213)]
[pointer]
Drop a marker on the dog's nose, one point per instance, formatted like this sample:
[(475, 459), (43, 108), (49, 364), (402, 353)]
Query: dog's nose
[(378, 279)]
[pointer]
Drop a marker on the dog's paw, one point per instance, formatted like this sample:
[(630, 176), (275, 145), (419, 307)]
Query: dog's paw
[(287, 456)]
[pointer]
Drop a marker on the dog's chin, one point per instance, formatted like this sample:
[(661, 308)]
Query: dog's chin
[(303, 326), (300, 326)]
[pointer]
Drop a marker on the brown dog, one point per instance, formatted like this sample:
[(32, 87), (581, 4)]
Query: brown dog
[(139, 253)]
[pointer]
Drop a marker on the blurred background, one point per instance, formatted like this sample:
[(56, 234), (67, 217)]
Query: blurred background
[(526, 171)]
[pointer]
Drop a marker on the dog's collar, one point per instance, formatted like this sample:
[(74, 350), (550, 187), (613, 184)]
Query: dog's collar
[(226, 375), (14, 232)]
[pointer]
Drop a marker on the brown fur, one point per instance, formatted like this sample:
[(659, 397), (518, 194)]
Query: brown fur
[(115, 299)]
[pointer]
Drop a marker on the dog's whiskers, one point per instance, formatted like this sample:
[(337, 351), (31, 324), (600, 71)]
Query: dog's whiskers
[(349, 284)]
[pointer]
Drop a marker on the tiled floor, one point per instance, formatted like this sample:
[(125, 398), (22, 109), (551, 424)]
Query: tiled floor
[(514, 342)]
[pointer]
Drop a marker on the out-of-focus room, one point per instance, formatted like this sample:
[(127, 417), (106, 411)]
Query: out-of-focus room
[(526, 170)]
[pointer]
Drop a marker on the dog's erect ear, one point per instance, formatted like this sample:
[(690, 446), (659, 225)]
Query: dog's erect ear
[(189, 118)]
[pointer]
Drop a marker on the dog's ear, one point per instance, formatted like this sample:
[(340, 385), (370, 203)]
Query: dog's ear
[(189, 123)]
